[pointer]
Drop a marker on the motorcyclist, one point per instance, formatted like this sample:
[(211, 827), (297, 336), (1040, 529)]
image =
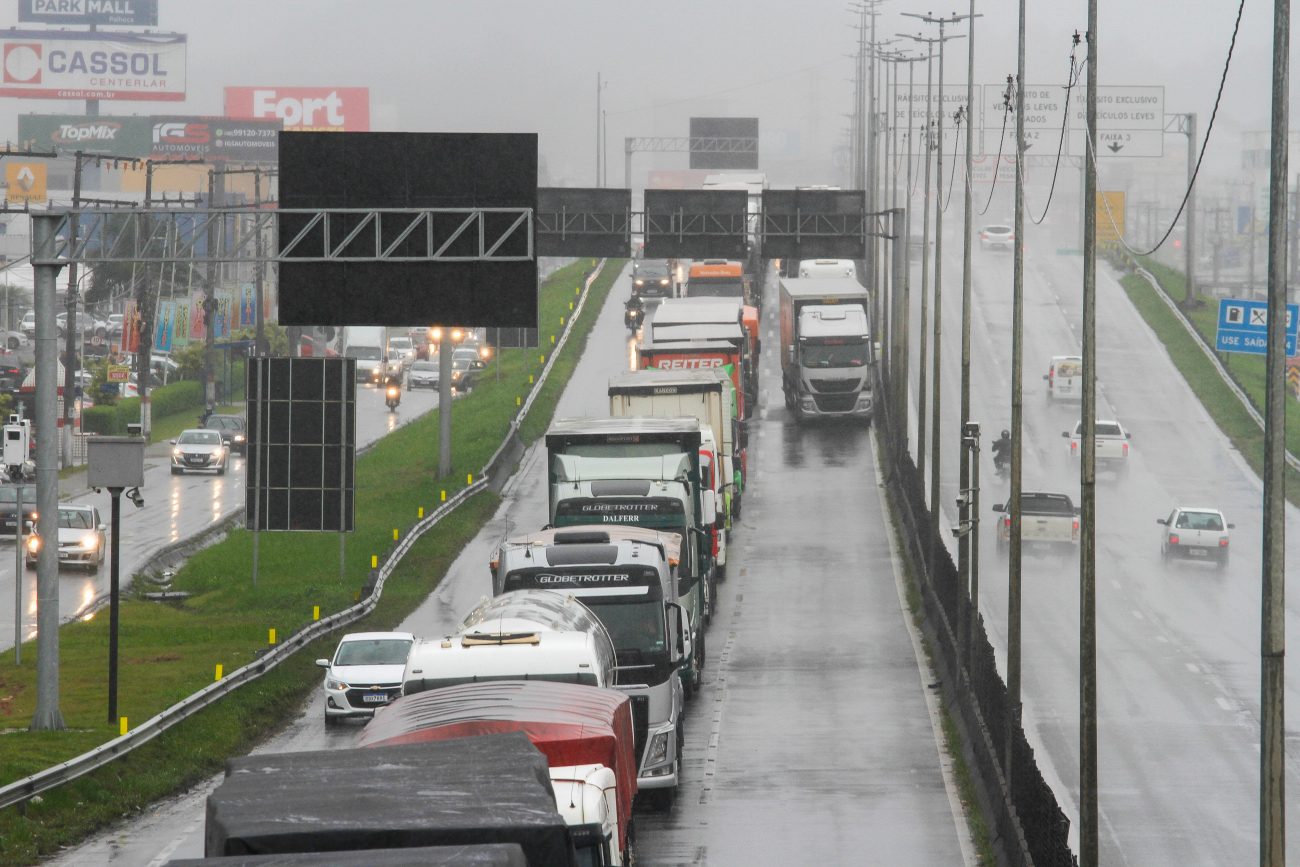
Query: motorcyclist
[(634, 311), (392, 386), (1002, 449)]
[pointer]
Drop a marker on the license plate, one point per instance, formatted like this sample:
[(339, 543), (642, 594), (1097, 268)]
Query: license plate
[(374, 698), (1196, 552)]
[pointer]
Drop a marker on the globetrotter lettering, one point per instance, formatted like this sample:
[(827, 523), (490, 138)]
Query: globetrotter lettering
[(608, 578), (619, 507)]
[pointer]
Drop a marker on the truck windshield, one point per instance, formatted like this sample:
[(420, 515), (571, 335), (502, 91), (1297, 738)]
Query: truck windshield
[(622, 450), (635, 624), (835, 355), (715, 287), (365, 353)]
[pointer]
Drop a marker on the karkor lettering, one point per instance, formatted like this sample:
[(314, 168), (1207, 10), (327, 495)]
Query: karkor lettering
[(69, 133)]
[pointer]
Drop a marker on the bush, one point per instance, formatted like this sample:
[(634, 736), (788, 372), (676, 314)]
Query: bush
[(170, 399)]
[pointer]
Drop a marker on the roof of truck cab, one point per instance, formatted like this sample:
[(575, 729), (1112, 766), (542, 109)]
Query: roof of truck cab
[(653, 347), (673, 332), (846, 288), (576, 468), (681, 381), (701, 308), (669, 544), (600, 428)]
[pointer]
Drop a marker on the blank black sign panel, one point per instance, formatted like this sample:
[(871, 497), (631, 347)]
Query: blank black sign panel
[(301, 443), (705, 155), (408, 170)]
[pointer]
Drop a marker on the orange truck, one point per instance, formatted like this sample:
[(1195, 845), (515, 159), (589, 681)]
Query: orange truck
[(719, 278)]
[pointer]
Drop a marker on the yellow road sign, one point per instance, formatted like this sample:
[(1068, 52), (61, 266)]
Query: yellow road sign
[(26, 183), (1110, 216)]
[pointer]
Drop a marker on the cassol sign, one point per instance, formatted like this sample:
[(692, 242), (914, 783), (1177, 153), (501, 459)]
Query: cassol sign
[(54, 64)]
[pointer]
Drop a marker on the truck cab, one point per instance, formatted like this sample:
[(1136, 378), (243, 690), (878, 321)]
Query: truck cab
[(626, 576), (526, 634), (827, 354)]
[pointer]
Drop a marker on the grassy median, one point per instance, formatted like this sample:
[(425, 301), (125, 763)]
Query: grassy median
[(168, 651), (1205, 382)]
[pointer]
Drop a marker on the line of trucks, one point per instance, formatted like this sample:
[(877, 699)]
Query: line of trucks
[(526, 735)]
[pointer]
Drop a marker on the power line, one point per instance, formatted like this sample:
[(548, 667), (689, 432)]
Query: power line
[(1092, 157), (997, 165), (1070, 81)]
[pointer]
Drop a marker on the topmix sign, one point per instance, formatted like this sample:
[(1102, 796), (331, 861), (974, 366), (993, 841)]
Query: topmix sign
[(54, 64)]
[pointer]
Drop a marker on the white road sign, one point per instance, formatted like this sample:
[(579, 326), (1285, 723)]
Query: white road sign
[(1120, 143)]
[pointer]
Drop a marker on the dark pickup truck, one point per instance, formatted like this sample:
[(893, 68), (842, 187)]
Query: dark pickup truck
[(1046, 518)]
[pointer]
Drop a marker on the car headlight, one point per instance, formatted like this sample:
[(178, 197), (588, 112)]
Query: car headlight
[(176, 453), (335, 684), (34, 545), (663, 282), (239, 438), (90, 543), (640, 282)]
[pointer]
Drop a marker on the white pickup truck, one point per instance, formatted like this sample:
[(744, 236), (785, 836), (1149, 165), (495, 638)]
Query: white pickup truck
[(1112, 444), (1046, 518)]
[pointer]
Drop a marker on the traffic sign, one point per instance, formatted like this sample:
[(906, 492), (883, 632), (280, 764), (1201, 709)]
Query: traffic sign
[(1120, 143), (26, 183), (1243, 327), (1110, 216)]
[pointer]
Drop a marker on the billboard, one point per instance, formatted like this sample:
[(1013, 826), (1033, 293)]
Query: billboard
[(57, 64), (129, 13), (307, 109), (731, 156), (213, 139), (25, 183)]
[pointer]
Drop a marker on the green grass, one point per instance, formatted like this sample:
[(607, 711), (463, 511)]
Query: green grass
[(170, 651), (1200, 375)]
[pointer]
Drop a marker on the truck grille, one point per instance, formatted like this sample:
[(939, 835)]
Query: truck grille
[(836, 402), (640, 722), (835, 386)]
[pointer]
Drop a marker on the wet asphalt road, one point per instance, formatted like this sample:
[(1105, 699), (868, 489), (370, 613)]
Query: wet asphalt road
[(1178, 645), (176, 507), (812, 741)]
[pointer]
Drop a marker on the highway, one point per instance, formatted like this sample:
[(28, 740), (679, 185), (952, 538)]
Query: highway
[(175, 508), (1178, 645), (813, 740)]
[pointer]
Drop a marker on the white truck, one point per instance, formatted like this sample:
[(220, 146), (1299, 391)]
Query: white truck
[(827, 357), (1112, 444), (627, 577), (707, 395), (529, 634), (368, 344)]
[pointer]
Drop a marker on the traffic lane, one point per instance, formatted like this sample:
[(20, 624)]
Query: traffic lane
[(174, 828), (815, 744), (176, 508), (1135, 609)]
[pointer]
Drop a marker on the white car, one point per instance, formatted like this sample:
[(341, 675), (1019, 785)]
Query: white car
[(1196, 533), (401, 350), (199, 450), (998, 236), (423, 374), (28, 324), (365, 673), (82, 538)]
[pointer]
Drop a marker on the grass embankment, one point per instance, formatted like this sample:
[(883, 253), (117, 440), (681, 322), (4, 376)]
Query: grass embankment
[(1199, 373), (170, 651)]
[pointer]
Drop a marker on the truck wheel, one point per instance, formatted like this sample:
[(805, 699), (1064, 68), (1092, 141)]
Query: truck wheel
[(721, 572), (661, 800)]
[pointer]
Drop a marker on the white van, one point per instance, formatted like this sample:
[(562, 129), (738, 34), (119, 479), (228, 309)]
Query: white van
[(1065, 378), (521, 635)]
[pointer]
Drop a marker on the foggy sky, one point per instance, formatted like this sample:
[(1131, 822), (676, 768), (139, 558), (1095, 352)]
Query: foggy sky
[(531, 65)]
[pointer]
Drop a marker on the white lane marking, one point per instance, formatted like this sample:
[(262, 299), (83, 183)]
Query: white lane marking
[(1223, 703), (1116, 584), (1162, 639), (1192, 667), (926, 676), (1138, 615)]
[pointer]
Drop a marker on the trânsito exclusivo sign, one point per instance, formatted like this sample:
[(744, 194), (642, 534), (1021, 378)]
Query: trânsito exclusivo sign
[(131, 13)]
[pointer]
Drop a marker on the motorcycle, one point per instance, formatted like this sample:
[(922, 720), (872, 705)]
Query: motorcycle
[(633, 317), (392, 396), (1002, 463)]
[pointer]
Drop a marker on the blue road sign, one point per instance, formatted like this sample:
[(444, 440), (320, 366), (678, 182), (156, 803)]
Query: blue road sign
[(1243, 327)]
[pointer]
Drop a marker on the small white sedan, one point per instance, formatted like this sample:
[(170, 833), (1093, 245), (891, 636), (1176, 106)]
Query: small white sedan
[(82, 538), (365, 673), (199, 450), (1002, 237), (1195, 533)]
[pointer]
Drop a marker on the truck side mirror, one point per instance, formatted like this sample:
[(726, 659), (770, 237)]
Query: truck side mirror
[(709, 509), (789, 351), (685, 584), (676, 616), (999, 507)]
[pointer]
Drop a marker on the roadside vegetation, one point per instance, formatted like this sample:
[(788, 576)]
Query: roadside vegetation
[(168, 651), (1199, 373)]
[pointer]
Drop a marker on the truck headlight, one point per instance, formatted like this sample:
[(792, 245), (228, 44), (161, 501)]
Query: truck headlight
[(657, 754)]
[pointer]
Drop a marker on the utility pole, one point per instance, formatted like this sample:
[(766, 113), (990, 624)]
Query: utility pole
[(1272, 728), (925, 262), (599, 87), (1017, 414), (905, 308), (936, 406), (72, 326), (1189, 245), (1088, 855), (967, 571), (216, 193)]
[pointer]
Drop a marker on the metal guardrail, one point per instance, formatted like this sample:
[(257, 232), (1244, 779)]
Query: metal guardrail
[(1291, 460), (23, 790)]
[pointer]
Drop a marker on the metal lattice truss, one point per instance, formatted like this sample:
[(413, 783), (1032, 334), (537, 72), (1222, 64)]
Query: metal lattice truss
[(165, 236), (806, 226), (699, 145), (564, 224)]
